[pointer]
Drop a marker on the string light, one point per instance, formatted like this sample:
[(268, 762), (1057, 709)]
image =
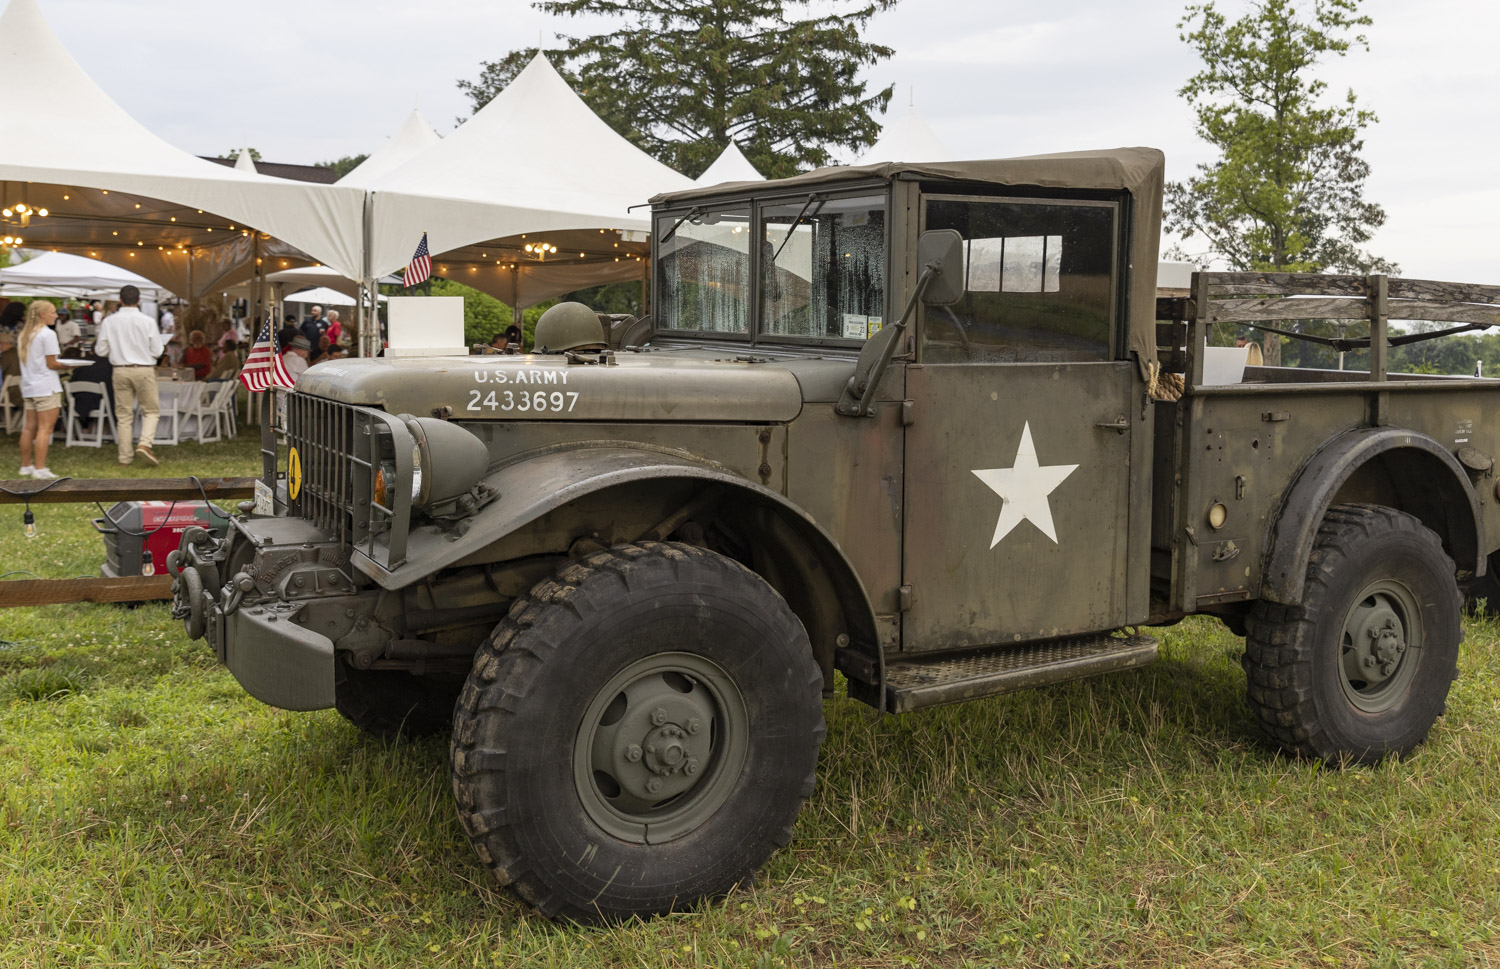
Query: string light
[(28, 523)]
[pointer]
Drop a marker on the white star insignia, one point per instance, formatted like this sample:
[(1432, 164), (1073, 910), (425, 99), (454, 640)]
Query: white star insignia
[(1025, 487)]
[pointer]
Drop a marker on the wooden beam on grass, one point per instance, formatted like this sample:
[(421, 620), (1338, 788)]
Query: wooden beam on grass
[(124, 489), (49, 592)]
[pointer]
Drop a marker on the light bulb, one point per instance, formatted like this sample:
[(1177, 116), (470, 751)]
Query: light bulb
[(22, 207), (7, 213), (42, 212), (528, 247), (28, 524)]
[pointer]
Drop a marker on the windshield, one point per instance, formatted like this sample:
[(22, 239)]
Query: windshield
[(821, 264), (705, 271)]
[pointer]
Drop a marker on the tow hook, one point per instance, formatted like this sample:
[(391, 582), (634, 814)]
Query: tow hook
[(235, 591)]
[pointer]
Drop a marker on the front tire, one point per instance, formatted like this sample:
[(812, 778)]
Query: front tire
[(639, 733), (1361, 669)]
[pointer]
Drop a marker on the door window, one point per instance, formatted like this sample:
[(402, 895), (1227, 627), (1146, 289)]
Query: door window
[(1039, 279)]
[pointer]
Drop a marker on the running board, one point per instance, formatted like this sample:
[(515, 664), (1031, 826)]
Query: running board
[(914, 683)]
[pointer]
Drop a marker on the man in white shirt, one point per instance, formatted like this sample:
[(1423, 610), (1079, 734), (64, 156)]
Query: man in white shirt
[(68, 333), (133, 343), (295, 357)]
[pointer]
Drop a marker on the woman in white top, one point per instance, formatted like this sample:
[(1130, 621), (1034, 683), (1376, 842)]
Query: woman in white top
[(41, 391)]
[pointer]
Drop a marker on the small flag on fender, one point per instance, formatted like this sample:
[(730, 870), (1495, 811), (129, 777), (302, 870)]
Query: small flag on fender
[(263, 367), (420, 267)]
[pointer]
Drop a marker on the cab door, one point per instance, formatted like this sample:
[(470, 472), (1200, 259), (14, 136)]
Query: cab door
[(1018, 456)]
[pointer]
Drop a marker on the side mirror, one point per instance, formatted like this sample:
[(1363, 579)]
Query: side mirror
[(942, 251)]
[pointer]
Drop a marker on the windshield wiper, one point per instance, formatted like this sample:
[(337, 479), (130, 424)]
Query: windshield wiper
[(812, 200), (667, 236)]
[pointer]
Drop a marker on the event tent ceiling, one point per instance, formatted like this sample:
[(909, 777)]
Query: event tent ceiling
[(533, 160), (125, 196), (413, 137)]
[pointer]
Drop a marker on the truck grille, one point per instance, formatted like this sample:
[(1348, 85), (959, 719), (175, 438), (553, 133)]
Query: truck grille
[(322, 431)]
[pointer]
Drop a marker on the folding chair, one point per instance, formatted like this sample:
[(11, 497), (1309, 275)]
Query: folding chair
[(14, 414), (103, 415), (171, 395), (221, 407)]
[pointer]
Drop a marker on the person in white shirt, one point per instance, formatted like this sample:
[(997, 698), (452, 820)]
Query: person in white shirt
[(68, 333), (133, 343), (41, 391), (295, 357)]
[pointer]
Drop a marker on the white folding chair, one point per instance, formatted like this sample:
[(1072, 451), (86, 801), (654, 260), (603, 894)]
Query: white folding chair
[(203, 407), (14, 414), (103, 415), (171, 395), (221, 407)]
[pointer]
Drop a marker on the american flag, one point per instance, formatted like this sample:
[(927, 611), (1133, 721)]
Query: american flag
[(263, 367), (420, 267)]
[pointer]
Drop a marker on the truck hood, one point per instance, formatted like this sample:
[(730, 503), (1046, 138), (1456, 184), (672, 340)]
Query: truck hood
[(694, 385)]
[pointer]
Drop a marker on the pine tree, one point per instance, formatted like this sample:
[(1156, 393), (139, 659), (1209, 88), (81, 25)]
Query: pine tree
[(682, 78)]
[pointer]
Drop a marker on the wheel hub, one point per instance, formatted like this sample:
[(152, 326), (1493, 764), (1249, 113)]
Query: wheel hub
[(651, 747), (1379, 645)]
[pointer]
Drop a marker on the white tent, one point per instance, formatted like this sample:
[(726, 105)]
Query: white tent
[(730, 166), (245, 162), (413, 137), (126, 196), (62, 274), (321, 296), (533, 160), (906, 139)]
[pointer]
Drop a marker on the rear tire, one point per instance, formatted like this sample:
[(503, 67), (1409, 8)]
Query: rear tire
[(1361, 669), (639, 733)]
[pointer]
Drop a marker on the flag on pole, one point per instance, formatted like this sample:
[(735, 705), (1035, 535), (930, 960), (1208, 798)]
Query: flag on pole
[(420, 267), (263, 367)]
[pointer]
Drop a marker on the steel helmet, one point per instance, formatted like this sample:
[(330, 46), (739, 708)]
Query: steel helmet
[(568, 326)]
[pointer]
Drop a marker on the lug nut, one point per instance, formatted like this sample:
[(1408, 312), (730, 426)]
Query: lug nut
[(653, 785), (658, 716), (692, 767), (633, 753), (651, 749), (694, 725), (1369, 661)]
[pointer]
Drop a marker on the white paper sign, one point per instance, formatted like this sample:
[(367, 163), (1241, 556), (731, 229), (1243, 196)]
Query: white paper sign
[(422, 326), (856, 326)]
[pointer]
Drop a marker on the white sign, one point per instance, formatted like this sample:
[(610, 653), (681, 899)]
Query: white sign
[(426, 326)]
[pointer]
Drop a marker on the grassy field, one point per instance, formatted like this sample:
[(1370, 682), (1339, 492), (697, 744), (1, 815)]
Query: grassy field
[(152, 815)]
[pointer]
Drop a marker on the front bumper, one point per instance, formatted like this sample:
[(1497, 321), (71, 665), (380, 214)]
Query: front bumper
[(277, 661), (260, 620)]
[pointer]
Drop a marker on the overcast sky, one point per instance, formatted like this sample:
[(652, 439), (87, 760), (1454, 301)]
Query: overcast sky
[(310, 80)]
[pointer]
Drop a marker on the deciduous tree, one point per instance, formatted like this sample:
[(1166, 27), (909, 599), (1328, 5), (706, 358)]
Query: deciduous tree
[(1287, 192)]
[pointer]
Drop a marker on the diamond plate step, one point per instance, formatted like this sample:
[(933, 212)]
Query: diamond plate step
[(914, 683)]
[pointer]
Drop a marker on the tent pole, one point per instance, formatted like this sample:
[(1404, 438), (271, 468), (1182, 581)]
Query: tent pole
[(515, 297), (368, 319)]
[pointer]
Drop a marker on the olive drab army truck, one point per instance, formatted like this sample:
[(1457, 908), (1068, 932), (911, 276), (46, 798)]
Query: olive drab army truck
[(926, 426)]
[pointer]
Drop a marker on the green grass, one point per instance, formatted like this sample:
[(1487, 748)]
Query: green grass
[(153, 815)]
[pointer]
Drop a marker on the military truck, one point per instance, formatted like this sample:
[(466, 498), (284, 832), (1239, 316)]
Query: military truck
[(923, 425)]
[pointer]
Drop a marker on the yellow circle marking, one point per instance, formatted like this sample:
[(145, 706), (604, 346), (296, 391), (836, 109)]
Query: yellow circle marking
[(293, 473)]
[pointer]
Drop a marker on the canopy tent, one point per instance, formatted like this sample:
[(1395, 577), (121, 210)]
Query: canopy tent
[(413, 137), (534, 160), (320, 296), (61, 274), (730, 166), (906, 139), (127, 197)]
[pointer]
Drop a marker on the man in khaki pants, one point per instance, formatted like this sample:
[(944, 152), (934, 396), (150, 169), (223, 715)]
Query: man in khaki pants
[(133, 343)]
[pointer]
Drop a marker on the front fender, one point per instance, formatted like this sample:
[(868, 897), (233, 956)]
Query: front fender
[(1440, 495), (542, 481)]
